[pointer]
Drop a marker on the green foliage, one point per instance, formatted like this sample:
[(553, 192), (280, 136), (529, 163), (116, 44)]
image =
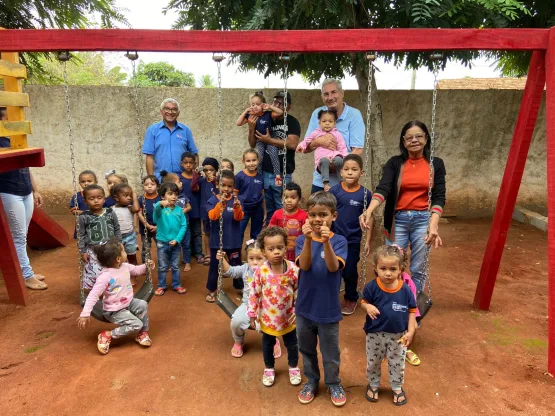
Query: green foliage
[(205, 81), (162, 74), (84, 68)]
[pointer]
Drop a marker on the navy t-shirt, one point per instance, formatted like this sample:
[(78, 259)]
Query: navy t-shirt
[(109, 202), (394, 306), (350, 205), (318, 296), (193, 197), (149, 205), (232, 228), (207, 191), (17, 181), (250, 188), (263, 123)]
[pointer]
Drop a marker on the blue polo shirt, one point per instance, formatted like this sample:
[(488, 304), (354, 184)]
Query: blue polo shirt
[(350, 204), (168, 146), (250, 190), (318, 296), (351, 127), (232, 228), (149, 205), (207, 191), (17, 181), (394, 306), (193, 197)]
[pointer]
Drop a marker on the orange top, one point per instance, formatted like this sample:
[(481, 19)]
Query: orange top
[(413, 194), (215, 213)]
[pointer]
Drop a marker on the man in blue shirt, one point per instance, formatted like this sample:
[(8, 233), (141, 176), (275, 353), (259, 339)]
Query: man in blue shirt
[(349, 124), (167, 140)]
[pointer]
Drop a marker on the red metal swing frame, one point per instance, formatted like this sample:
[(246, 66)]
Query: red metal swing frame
[(541, 73)]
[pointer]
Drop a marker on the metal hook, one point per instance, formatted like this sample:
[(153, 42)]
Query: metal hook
[(370, 56), (63, 56), (436, 56), (218, 57), (132, 55), (284, 57)]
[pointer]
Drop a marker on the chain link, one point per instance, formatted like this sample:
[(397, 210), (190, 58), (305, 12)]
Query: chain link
[(286, 130), (219, 59), (368, 168)]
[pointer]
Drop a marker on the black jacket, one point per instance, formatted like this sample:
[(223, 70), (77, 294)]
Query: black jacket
[(390, 183)]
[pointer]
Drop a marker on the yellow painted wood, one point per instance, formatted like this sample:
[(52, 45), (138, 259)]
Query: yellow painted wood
[(10, 69), (15, 128), (12, 84), (14, 99)]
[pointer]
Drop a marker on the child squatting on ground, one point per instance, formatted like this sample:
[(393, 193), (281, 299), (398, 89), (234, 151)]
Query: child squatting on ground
[(273, 293), (120, 308), (390, 323), (321, 255)]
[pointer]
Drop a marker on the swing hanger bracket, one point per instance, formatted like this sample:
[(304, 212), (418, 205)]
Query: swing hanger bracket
[(370, 56), (284, 57), (218, 57), (436, 56), (132, 55), (63, 56)]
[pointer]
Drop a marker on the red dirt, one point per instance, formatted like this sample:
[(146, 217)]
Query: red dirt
[(472, 362)]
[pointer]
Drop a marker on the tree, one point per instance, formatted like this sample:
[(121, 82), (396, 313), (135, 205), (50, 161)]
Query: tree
[(162, 74), (84, 68), (205, 81)]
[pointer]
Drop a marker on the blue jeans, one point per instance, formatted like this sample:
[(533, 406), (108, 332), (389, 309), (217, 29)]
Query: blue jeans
[(272, 194), (19, 210), (186, 246), (410, 228), (168, 258), (256, 218)]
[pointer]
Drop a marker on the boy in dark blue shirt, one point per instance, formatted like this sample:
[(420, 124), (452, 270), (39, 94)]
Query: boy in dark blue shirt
[(146, 219), (86, 178), (321, 255), (350, 205)]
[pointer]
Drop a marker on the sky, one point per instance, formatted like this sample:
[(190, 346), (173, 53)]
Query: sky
[(147, 14)]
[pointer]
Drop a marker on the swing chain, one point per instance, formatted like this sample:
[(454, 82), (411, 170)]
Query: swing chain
[(436, 58), (218, 59), (286, 130), (63, 56), (368, 173)]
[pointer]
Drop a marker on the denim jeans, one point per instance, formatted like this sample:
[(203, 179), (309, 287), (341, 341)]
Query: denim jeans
[(195, 227), (168, 258), (310, 334), (272, 194), (186, 246), (410, 228), (19, 210), (256, 218)]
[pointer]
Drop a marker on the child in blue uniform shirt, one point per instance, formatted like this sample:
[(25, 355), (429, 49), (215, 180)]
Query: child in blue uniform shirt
[(350, 205), (86, 178), (228, 206), (249, 187), (207, 186), (147, 200), (321, 255), (390, 322)]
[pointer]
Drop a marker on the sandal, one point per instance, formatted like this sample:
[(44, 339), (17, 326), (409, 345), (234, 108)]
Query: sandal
[(103, 343), (412, 359), (143, 339), (159, 292), (397, 396), (237, 350), (210, 297), (39, 277), (34, 284), (206, 261), (180, 290), (373, 392), (200, 260), (277, 349)]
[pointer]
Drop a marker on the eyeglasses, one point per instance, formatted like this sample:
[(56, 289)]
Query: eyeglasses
[(418, 137), (170, 110), (279, 103)]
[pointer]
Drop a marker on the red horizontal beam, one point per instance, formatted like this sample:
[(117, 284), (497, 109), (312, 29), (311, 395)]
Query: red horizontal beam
[(24, 158), (267, 41)]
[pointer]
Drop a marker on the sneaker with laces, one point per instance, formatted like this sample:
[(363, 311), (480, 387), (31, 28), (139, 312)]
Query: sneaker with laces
[(307, 393), (103, 343), (295, 376), (348, 307), (338, 396), (144, 339), (268, 377)]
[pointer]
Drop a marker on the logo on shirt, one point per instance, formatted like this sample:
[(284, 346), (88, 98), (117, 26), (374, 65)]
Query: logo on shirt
[(322, 254), (263, 121), (179, 136), (355, 203), (399, 308), (229, 209), (257, 181)]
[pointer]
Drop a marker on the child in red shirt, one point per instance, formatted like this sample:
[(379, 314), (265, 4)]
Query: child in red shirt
[(290, 217)]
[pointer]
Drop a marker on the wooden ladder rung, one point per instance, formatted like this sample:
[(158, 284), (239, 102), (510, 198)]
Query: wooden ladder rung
[(10, 69), (14, 99), (15, 128)]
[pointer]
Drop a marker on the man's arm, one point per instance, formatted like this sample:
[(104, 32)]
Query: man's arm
[(252, 130), (149, 164), (291, 144), (356, 151)]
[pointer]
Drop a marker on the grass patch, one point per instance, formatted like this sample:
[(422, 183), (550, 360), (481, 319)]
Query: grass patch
[(534, 343), (45, 334), (31, 350)]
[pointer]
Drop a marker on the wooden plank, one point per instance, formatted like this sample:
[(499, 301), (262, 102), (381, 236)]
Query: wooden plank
[(550, 131), (11, 69), (45, 233), (9, 263), (14, 113), (516, 160), (14, 99), (31, 157), (15, 128), (328, 41)]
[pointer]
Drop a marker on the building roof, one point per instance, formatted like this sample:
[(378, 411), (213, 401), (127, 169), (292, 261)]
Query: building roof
[(505, 83)]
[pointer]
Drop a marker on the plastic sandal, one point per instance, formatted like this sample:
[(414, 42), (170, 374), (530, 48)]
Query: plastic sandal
[(397, 396), (159, 292), (373, 392), (210, 297), (180, 290), (237, 350), (144, 339), (412, 358), (277, 349), (268, 377), (295, 376), (206, 261), (103, 343)]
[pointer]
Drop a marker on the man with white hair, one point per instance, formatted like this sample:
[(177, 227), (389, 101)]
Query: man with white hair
[(166, 140), (349, 123)]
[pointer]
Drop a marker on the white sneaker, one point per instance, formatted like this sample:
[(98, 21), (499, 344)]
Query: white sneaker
[(295, 376), (268, 377)]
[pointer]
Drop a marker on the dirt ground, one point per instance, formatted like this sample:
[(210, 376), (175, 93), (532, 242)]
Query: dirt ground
[(472, 362)]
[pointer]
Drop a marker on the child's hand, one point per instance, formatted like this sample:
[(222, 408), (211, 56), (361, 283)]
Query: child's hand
[(82, 322), (265, 106), (236, 203), (367, 249), (164, 203), (307, 230), (253, 323), (173, 243), (299, 149), (150, 264), (209, 176), (372, 311), (220, 255), (150, 227), (325, 232), (406, 339), (85, 257)]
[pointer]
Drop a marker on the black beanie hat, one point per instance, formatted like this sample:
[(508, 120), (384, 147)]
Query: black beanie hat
[(212, 162)]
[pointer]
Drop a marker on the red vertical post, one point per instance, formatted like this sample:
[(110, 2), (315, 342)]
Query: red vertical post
[(550, 129), (529, 107), (9, 263)]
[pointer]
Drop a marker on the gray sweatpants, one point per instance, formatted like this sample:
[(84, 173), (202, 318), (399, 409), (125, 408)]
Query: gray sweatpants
[(240, 322), (324, 168), (378, 346), (132, 320)]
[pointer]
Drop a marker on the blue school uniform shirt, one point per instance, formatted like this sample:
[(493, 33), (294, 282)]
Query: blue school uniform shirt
[(351, 127), (232, 228), (350, 205), (250, 189), (318, 295), (81, 206), (207, 191), (263, 123), (394, 306), (193, 197), (149, 205), (109, 202), (17, 181)]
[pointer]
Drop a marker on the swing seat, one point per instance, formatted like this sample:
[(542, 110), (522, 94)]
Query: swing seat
[(145, 293), (225, 303)]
